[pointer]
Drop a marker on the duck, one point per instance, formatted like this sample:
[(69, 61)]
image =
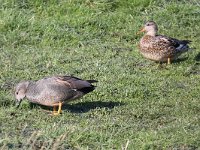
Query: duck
[(53, 91), (160, 48)]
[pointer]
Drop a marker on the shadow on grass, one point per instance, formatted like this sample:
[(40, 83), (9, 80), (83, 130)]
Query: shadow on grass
[(178, 60), (161, 65), (194, 69), (197, 58), (87, 106), (83, 107)]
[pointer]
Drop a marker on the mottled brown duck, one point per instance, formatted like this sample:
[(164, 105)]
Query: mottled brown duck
[(160, 48), (53, 91)]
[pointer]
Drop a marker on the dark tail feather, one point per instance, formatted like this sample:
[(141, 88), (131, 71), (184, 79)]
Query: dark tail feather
[(185, 42), (92, 81), (87, 89), (183, 46)]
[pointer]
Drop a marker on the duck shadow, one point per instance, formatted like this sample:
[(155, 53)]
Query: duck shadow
[(84, 107), (178, 60), (163, 65), (197, 57)]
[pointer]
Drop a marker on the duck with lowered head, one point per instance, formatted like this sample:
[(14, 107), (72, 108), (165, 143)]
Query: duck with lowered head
[(53, 91)]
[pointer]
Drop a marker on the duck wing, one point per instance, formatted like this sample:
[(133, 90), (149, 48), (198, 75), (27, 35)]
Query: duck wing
[(71, 82), (169, 43), (59, 88)]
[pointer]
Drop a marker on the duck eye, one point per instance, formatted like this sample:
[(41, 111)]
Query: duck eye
[(17, 93)]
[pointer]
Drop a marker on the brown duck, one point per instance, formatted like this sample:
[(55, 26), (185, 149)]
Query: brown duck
[(160, 48), (53, 91)]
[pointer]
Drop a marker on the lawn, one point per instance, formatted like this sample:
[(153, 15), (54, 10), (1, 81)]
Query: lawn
[(138, 104)]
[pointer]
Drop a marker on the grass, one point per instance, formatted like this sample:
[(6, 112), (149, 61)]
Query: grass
[(137, 105)]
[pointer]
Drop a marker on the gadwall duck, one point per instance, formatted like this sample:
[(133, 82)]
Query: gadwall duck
[(53, 91), (160, 48)]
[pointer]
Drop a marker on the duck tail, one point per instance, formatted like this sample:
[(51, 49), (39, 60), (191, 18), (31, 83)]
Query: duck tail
[(92, 81), (185, 42), (183, 46), (87, 89)]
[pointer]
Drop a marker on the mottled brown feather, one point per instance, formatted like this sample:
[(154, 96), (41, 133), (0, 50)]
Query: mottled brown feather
[(160, 47)]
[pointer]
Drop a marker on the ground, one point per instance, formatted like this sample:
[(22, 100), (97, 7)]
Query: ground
[(138, 104)]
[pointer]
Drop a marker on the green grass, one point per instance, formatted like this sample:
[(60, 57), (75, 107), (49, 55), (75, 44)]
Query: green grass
[(136, 105)]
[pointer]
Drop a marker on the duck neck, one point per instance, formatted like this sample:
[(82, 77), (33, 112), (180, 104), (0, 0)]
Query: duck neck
[(151, 33), (30, 87), (32, 92)]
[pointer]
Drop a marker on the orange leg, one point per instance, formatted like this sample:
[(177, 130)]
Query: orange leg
[(168, 61), (54, 109), (59, 109)]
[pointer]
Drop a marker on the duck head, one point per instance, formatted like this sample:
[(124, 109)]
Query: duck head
[(150, 28), (20, 91)]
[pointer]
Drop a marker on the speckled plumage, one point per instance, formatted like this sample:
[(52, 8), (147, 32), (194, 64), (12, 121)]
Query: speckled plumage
[(159, 47), (50, 91)]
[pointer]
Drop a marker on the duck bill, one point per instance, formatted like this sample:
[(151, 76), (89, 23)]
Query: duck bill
[(17, 104), (141, 30)]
